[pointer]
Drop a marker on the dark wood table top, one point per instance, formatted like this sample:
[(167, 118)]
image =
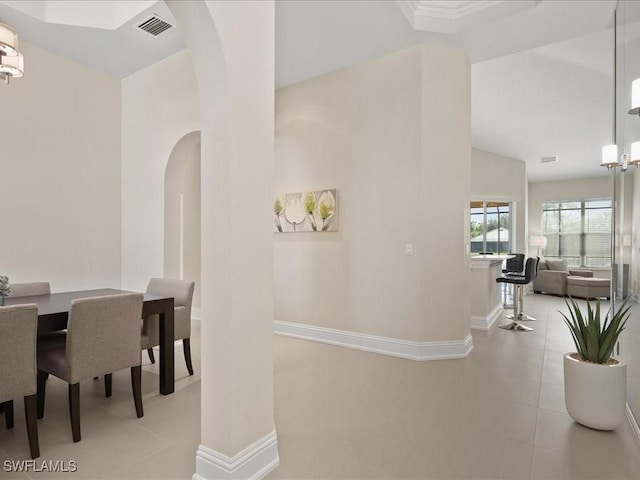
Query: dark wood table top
[(56, 303)]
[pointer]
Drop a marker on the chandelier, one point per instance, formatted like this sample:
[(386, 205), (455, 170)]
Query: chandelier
[(11, 60)]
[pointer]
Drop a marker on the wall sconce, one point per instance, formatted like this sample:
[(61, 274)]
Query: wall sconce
[(11, 60)]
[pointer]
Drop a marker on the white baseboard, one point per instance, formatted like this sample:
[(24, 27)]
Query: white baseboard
[(484, 323), (633, 423), (372, 343), (254, 462), (196, 314)]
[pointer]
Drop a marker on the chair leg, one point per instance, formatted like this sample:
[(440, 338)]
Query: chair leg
[(107, 384), (186, 347), (30, 414), (152, 358), (42, 388), (8, 413), (136, 386), (74, 410)]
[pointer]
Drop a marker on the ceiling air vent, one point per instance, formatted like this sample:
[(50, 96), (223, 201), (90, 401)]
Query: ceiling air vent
[(155, 25), (552, 159)]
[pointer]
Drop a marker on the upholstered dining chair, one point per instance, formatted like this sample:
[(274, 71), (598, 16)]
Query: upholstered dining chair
[(103, 336), (48, 339), (182, 293), (28, 289), (18, 324)]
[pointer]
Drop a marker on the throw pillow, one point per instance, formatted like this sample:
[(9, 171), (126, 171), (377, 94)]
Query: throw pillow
[(557, 265)]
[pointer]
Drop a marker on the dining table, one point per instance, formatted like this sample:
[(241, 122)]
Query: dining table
[(53, 313)]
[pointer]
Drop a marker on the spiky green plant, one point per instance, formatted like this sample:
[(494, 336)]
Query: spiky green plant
[(595, 340)]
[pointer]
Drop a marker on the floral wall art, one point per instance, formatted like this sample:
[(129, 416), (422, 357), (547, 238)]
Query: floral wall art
[(306, 212)]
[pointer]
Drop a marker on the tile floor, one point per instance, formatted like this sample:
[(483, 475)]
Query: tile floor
[(343, 413)]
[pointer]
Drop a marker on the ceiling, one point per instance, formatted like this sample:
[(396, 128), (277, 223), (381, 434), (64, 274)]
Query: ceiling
[(115, 46), (541, 70)]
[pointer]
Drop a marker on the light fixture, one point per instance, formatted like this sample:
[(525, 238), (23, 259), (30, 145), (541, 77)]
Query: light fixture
[(11, 66), (635, 97), (610, 152), (538, 241), (610, 156), (8, 40), (634, 159), (11, 61), (635, 110)]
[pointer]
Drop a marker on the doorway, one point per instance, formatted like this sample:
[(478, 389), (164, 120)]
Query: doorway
[(182, 213)]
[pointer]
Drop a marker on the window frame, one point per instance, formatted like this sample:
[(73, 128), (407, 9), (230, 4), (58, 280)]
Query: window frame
[(484, 204), (583, 233)]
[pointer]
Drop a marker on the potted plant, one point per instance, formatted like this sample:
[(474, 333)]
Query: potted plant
[(595, 385)]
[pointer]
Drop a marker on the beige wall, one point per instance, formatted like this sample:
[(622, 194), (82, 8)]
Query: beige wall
[(159, 107), (392, 135), (60, 181), (495, 177)]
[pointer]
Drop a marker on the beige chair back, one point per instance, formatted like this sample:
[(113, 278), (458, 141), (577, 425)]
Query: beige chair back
[(28, 289), (18, 326), (103, 335), (182, 293)]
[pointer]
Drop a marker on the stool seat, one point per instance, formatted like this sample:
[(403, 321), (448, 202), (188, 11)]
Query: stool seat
[(588, 287), (512, 278)]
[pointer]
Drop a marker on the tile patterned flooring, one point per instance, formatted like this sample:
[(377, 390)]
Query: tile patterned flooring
[(347, 414)]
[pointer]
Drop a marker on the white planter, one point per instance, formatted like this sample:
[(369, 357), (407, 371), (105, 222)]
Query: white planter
[(595, 395)]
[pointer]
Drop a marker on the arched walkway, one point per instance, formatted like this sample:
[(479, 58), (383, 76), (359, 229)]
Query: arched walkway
[(182, 212)]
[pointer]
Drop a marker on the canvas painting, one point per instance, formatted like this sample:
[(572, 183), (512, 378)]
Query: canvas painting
[(306, 212)]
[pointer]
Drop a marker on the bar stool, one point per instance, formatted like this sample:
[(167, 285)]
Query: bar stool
[(513, 266), (520, 282)]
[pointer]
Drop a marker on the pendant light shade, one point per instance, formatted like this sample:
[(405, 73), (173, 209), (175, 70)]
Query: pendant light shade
[(634, 158), (12, 66), (11, 61), (8, 41), (610, 156), (635, 97)]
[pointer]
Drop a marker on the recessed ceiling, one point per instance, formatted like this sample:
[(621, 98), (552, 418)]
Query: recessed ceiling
[(99, 34), (95, 14), (456, 16)]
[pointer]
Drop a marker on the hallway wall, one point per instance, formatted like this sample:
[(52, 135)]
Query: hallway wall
[(392, 135), (159, 106)]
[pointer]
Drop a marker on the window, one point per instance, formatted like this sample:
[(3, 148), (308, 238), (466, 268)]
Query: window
[(578, 232), (490, 227)]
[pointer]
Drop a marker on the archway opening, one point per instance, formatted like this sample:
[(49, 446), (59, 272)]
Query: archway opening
[(182, 213)]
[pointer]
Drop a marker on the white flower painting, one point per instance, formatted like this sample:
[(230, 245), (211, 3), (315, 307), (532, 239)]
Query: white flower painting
[(306, 212)]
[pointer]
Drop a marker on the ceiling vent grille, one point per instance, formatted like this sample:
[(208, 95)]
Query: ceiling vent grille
[(155, 25), (552, 159)]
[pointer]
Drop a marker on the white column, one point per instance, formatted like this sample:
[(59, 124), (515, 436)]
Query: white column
[(232, 46)]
